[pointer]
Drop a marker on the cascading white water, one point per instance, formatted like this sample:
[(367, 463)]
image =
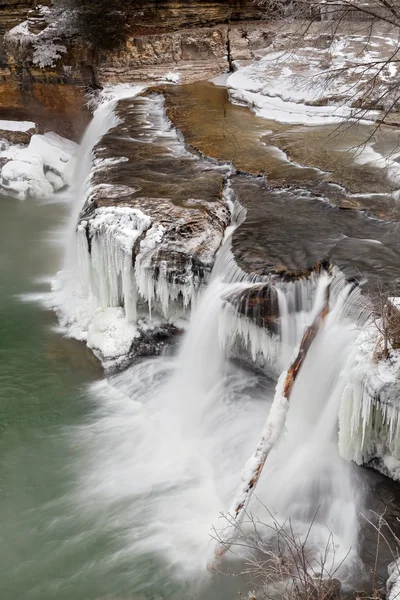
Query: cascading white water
[(169, 441), (171, 436), (306, 479), (103, 120), (164, 454)]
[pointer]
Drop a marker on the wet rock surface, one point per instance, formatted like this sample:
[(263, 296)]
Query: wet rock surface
[(291, 229), (296, 215), (287, 154), (170, 201), (143, 164), (259, 304)]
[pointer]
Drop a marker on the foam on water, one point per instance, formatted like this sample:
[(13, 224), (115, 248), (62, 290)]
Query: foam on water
[(168, 442), (164, 453)]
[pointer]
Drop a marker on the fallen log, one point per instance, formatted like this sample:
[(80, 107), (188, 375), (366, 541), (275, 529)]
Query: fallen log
[(272, 430)]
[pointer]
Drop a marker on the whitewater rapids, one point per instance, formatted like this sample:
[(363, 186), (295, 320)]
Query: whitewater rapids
[(162, 458)]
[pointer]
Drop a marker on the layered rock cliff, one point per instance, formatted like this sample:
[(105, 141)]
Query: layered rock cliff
[(190, 39)]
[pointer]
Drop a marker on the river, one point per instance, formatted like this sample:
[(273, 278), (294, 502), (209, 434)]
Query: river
[(98, 499), (55, 543)]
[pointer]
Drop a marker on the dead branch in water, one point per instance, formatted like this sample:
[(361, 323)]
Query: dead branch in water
[(272, 430)]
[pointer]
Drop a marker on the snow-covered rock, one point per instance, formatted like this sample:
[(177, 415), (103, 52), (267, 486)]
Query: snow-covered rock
[(25, 179), (17, 132), (45, 166), (316, 81)]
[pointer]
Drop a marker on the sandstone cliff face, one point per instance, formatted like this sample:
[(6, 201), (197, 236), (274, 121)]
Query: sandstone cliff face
[(195, 54), (172, 15), (189, 37), (13, 12), (52, 96)]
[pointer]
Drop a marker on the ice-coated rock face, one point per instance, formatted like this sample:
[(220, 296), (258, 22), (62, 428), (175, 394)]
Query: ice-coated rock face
[(156, 203), (369, 414), (153, 219)]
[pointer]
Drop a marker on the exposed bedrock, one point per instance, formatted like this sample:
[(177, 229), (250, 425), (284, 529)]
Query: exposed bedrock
[(191, 38), (152, 223)]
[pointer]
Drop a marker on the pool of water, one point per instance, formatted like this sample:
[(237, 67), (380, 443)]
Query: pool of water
[(55, 543)]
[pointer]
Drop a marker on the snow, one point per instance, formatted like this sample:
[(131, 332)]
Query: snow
[(172, 77), (17, 125), (25, 179), (46, 165), (220, 80), (368, 155), (110, 334), (285, 111), (45, 44), (297, 87)]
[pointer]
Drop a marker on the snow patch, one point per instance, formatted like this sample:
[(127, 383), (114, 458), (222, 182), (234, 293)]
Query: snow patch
[(110, 334), (172, 77), (17, 125)]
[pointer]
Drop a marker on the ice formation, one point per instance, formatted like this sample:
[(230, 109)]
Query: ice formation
[(107, 269), (118, 259), (369, 414), (124, 262)]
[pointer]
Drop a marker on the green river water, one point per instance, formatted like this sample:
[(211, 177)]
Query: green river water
[(51, 549)]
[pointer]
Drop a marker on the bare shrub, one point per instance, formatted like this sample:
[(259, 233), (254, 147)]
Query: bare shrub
[(386, 317), (280, 564)]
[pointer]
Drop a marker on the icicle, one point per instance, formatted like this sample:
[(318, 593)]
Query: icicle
[(113, 233)]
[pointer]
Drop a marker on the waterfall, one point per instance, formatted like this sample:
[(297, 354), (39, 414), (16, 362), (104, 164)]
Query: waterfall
[(103, 120), (171, 436), (126, 271)]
